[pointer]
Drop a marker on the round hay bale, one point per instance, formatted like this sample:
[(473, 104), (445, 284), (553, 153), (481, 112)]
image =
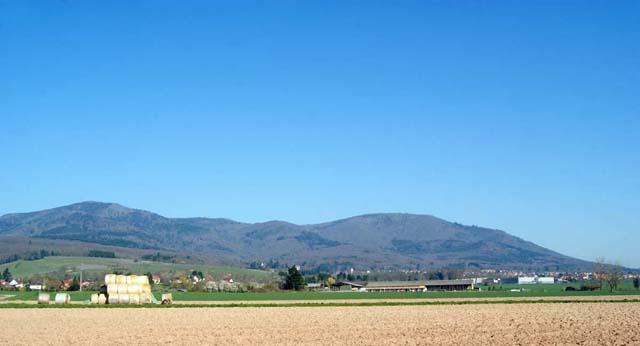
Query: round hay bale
[(121, 279), (112, 288), (167, 298), (110, 279), (143, 280), (134, 299), (94, 298), (43, 298), (113, 299), (132, 279), (62, 298), (123, 288), (102, 299), (133, 289), (124, 299)]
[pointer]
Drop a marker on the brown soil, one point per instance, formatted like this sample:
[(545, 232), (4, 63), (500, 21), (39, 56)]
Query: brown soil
[(495, 324)]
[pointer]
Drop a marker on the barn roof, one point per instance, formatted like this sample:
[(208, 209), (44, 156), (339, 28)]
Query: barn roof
[(419, 283)]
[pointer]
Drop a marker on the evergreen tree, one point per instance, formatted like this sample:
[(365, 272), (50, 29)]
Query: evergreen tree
[(294, 280), (636, 282), (150, 276), (6, 275), (75, 284)]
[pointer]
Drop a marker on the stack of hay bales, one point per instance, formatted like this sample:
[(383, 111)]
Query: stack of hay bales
[(128, 289)]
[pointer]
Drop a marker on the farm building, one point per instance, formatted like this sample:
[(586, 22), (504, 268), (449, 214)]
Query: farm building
[(546, 280), (346, 286), (526, 280), (530, 280), (420, 286)]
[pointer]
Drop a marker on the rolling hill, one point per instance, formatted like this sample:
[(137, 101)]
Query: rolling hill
[(375, 241)]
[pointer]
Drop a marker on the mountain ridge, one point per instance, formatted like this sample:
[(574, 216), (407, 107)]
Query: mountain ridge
[(368, 241)]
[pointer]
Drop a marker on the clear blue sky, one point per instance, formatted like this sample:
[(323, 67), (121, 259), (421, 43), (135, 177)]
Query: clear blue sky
[(522, 116)]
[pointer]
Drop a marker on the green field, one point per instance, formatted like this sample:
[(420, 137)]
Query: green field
[(96, 267), (318, 304), (534, 291)]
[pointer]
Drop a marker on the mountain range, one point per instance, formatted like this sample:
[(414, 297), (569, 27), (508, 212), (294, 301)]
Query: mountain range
[(373, 241)]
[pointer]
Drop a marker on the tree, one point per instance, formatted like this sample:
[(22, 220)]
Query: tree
[(51, 283), (614, 275), (150, 276), (6, 275), (636, 282), (609, 272), (75, 284), (599, 269), (294, 280), (182, 281), (331, 281)]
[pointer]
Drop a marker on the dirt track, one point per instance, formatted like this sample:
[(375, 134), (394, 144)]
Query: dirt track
[(499, 324)]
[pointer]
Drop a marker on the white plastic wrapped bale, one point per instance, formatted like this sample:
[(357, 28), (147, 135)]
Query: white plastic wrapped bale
[(62, 298), (124, 299), (167, 298), (94, 298), (133, 289), (102, 299), (121, 279), (43, 298), (132, 279)]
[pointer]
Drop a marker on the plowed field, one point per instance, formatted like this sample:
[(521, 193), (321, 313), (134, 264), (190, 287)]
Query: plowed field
[(490, 324)]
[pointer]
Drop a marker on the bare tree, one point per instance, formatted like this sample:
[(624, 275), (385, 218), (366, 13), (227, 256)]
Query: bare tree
[(614, 275), (600, 270), (609, 272)]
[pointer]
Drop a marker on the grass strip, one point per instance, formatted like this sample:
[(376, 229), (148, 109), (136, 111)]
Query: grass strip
[(311, 304)]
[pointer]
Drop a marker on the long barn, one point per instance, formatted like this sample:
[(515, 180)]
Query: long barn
[(420, 286)]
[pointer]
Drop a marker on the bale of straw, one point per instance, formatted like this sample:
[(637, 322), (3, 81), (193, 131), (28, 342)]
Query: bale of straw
[(94, 298), (143, 280), (132, 279), (113, 288), (62, 298), (123, 288), (124, 298), (167, 298), (43, 298), (121, 279), (133, 289), (134, 299), (102, 299), (113, 299), (110, 279)]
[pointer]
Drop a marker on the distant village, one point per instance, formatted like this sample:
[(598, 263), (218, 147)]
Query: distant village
[(295, 278)]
